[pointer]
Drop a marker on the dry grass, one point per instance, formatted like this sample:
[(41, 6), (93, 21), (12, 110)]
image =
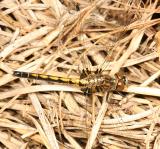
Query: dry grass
[(62, 37)]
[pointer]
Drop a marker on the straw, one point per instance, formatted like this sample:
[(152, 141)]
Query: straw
[(118, 39)]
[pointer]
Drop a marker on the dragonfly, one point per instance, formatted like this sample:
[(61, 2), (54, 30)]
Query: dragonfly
[(89, 82)]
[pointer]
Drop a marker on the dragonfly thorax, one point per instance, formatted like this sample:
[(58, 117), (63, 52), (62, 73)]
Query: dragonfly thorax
[(103, 81)]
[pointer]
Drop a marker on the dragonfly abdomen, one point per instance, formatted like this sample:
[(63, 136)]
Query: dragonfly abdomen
[(46, 77)]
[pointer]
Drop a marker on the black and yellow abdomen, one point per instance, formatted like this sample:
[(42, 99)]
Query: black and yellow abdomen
[(57, 79)]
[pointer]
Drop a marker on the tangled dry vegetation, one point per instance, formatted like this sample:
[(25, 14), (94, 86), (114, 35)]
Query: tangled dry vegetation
[(53, 37)]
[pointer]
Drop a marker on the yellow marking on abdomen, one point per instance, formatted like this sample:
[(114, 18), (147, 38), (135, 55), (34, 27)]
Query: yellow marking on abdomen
[(53, 78), (75, 81), (34, 75), (43, 76), (65, 79)]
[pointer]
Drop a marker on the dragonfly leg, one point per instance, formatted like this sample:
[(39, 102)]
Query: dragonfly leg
[(98, 89), (85, 73), (99, 71), (87, 91)]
